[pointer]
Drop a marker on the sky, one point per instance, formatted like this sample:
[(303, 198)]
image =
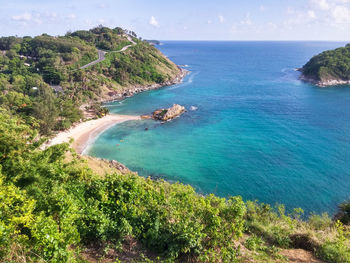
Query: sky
[(183, 19)]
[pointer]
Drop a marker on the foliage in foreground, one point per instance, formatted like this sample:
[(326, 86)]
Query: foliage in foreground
[(327, 239), (49, 205), (51, 209)]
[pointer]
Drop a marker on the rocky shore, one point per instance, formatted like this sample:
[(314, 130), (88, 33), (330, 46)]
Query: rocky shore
[(83, 132), (120, 95), (325, 83), (322, 83)]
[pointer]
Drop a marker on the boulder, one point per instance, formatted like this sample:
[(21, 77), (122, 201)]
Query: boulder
[(168, 114)]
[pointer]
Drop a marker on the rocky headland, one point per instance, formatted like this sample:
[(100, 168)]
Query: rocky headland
[(329, 68), (131, 91)]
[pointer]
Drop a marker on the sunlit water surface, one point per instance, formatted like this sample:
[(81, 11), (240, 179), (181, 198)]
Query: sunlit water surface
[(257, 131)]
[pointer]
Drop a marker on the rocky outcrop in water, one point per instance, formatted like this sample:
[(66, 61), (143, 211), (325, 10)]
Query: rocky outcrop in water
[(324, 82), (168, 114)]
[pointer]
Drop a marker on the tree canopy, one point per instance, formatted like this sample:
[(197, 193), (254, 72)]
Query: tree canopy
[(329, 65), (31, 68)]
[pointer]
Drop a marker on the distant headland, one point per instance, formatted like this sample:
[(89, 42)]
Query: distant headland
[(328, 68)]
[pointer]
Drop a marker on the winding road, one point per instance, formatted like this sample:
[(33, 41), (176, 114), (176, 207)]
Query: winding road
[(101, 54), (101, 57)]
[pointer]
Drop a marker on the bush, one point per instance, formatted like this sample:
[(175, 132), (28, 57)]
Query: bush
[(320, 222), (336, 251), (344, 213), (63, 204)]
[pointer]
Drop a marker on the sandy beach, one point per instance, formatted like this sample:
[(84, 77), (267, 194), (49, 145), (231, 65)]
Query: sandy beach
[(85, 133)]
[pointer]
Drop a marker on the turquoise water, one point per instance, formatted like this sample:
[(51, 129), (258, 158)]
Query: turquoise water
[(257, 132)]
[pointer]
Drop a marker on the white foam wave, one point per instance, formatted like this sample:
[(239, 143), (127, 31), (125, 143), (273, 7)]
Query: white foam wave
[(187, 82)]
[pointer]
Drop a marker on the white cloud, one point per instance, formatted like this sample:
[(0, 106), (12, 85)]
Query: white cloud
[(52, 15), (210, 22), (311, 14), (298, 17), (262, 8), (27, 17), (332, 12), (153, 22), (290, 10), (72, 16), (247, 21), (221, 19), (234, 29), (320, 4), (23, 17), (38, 18), (341, 14), (272, 26)]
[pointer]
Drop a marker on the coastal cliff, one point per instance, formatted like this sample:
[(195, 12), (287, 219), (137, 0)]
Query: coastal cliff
[(329, 68), (114, 95)]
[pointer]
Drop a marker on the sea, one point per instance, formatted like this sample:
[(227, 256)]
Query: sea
[(252, 128)]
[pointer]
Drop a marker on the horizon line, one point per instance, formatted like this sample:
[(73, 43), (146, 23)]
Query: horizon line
[(220, 40)]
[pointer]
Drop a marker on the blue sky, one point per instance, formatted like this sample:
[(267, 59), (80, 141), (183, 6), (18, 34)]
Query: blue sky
[(183, 19)]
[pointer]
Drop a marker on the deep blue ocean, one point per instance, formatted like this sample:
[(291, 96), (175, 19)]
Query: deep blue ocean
[(258, 131)]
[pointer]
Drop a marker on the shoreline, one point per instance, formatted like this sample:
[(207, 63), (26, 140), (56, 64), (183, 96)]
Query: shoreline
[(322, 84), (85, 133), (131, 91)]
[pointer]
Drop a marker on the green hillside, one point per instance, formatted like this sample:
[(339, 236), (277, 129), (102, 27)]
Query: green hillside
[(56, 209), (331, 65), (41, 78), (57, 206)]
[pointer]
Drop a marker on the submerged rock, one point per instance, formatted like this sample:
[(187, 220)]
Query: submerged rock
[(168, 114)]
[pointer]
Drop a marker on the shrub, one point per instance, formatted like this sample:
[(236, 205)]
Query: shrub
[(344, 213)]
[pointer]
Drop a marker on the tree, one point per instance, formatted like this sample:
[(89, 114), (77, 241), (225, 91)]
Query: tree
[(52, 75), (45, 110)]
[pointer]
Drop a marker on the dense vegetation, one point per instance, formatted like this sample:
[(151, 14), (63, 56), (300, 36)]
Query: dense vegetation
[(53, 207), (41, 79), (329, 65), (103, 37)]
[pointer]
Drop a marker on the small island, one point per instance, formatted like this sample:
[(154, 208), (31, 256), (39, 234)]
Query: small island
[(328, 68), (166, 114)]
